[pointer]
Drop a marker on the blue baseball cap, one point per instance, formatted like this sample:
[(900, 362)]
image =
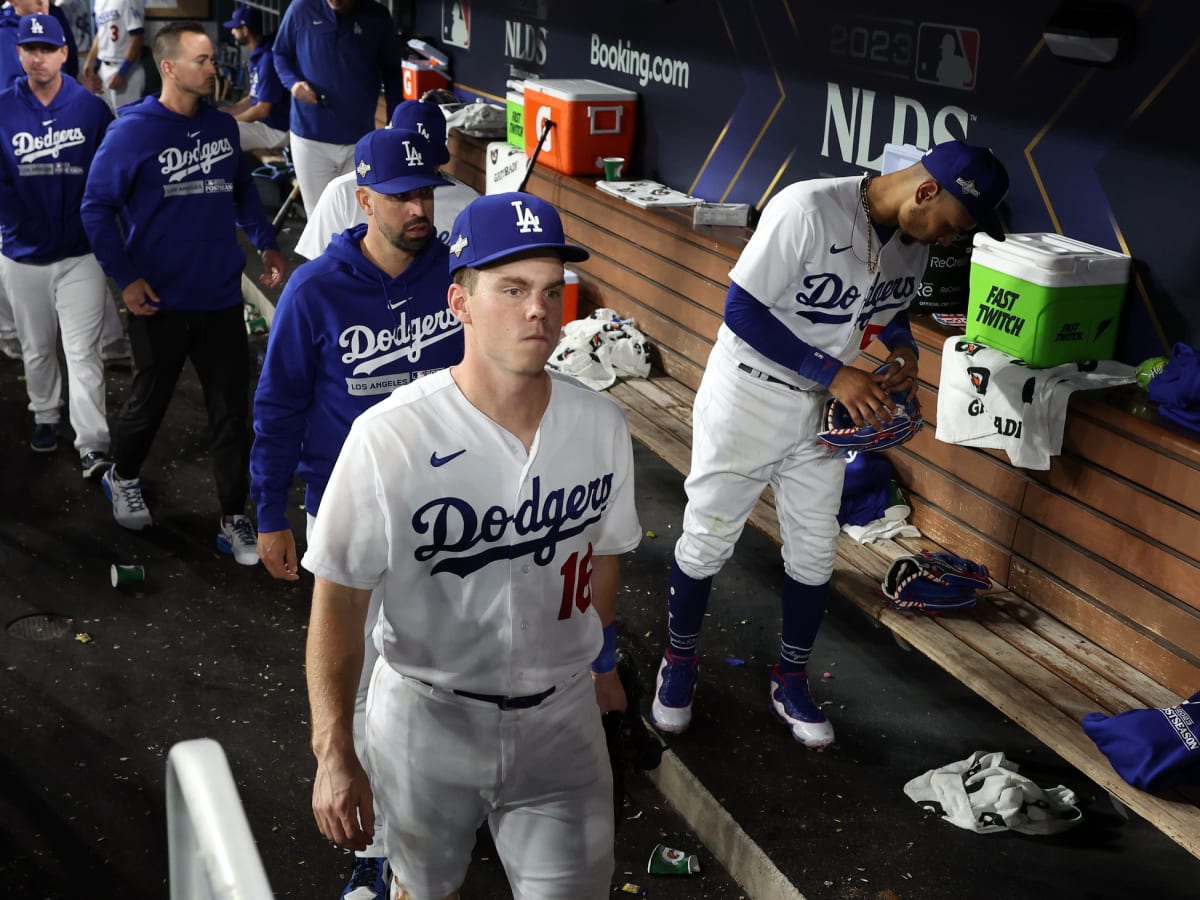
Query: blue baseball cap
[(974, 177), (395, 162), (428, 120), (246, 17), (492, 228), (40, 28)]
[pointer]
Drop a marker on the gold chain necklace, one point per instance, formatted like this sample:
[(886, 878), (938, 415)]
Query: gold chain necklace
[(872, 257)]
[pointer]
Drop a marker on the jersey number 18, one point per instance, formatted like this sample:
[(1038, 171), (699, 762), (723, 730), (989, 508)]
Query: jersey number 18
[(577, 583)]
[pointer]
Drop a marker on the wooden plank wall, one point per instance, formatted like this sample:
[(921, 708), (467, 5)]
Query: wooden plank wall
[(1107, 541)]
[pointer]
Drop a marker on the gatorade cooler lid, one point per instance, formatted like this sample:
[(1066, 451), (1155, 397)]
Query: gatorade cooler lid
[(578, 89), (431, 53), (1051, 260)]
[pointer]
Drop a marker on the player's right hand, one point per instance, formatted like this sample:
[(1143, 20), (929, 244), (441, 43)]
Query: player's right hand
[(342, 802), (863, 396), (140, 298), (277, 550), (304, 92)]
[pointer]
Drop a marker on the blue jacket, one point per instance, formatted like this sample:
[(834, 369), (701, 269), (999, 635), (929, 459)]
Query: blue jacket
[(344, 336), (178, 186), (346, 57), (265, 86), (45, 155)]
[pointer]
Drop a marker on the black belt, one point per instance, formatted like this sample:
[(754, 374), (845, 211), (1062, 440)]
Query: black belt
[(750, 370), (527, 702)]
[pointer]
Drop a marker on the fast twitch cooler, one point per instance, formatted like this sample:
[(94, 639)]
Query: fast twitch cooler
[(1045, 298), (591, 120)]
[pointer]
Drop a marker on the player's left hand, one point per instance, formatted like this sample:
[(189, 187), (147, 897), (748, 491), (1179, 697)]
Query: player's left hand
[(610, 693), (342, 803), (117, 82), (902, 374), (273, 269)]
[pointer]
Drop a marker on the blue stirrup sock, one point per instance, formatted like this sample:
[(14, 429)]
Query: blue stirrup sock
[(803, 610), (686, 605)]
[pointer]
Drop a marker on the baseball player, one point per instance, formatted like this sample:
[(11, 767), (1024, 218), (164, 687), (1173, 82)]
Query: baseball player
[(170, 168), (50, 129), (833, 263), (112, 67), (338, 207), (488, 504), (332, 56), (368, 315), (262, 114)]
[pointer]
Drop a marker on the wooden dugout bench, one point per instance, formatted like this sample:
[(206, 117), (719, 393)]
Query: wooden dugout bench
[(1095, 562)]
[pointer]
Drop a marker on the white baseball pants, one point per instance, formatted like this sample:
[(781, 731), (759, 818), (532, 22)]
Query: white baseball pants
[(318, 163), (260, 136), (69, 294), (747, 433), (442, 763), (135, 85)]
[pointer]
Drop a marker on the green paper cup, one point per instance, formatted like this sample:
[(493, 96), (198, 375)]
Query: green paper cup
[(123, 575), (669, 861), (612, 167)]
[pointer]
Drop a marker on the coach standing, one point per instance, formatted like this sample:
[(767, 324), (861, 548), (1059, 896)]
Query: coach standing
[(170, 168), (50, 128), (334, 56)]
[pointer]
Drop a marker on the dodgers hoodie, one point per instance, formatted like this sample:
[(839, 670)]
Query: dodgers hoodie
[(45, 155), (345, 335), (163, 199)]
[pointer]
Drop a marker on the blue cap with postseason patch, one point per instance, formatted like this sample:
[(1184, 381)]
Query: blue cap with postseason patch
[(974, 177), (395, 162), (492, 228), (40, 28), (428, 120)]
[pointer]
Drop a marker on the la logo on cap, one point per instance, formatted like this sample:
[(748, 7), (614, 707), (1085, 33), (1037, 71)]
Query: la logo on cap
[(459, 246), (363, 169), (527, 220), (35, 27), (412, 155)]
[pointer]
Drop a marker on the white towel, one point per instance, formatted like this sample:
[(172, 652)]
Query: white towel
[(990, 399), (880, 529), (599, 349), (983, 793)]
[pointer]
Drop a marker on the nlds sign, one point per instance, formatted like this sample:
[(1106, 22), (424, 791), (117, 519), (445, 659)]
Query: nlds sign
[(851, 117)]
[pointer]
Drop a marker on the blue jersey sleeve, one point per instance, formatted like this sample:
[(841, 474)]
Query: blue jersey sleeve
[(898, 333), (752, 321)]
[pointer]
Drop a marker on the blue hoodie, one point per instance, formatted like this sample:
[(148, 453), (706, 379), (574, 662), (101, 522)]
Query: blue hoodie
[(345, 335), (345, 57), (45, 155), (178, 185)]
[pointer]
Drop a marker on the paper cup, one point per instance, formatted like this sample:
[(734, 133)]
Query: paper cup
[(612, 167), (122, 575)]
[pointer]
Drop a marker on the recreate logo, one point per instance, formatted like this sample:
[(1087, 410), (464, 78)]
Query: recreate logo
[(456, 528), (438, 461)]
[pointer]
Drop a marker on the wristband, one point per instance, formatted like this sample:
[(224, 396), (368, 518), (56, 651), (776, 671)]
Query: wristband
[(607, 660), (124, 68)]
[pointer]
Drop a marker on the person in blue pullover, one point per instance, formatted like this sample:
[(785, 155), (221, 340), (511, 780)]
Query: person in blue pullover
[(171, 172), (334, 56), (262, 114), (361, 319), (50, 129)]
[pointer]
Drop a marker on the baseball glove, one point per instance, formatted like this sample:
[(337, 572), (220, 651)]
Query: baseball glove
[(630, 743), (842, 434), (934, 582)]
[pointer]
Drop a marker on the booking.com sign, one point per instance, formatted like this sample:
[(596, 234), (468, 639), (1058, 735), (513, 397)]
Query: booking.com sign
[(621, 57)]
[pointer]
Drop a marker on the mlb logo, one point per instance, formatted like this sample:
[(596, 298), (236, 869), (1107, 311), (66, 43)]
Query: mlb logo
[(947, 55)]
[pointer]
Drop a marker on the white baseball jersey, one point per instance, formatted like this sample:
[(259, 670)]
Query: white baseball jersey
[(806, 262), (482, 550), (115, 19), (337, 210)]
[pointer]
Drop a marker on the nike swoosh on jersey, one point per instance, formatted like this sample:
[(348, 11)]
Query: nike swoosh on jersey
[(436, 461), (193, 133), (834, 248), (48, 122)]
